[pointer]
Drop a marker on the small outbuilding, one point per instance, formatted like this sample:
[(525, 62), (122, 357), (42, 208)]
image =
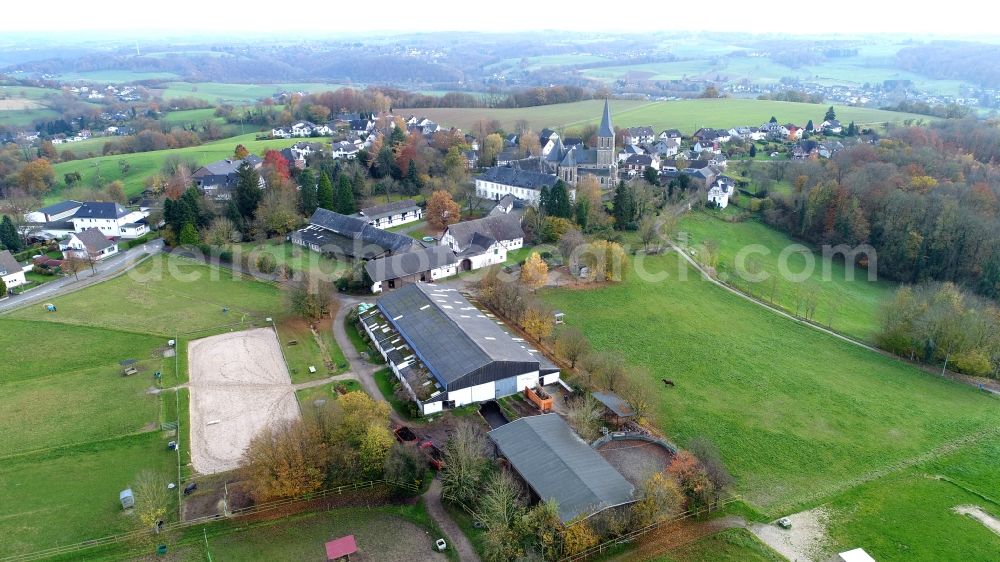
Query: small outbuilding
[(127, 498), (617, 410), (855, 555), (342, 548)]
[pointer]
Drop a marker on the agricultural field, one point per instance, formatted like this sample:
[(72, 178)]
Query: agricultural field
[(799, 416), (686, 115), (848, 306), (142, 165), (18, 117), (191, 117), (216, 92)]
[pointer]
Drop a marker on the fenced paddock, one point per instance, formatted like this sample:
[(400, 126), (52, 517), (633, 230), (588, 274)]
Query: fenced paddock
[(239, 385)]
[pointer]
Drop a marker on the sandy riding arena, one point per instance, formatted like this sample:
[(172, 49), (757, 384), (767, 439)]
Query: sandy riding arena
[(239, 385)]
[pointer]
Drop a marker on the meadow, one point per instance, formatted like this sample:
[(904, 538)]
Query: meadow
[(142, 165), (731, 545), (846, 305), (685, 115), (218, 92), (798, 415)]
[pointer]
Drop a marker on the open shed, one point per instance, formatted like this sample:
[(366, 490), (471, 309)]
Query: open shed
[(617, 410)]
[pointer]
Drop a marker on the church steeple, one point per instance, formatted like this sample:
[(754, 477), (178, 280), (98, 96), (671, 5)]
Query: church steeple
[(606, 130), (606, 139)]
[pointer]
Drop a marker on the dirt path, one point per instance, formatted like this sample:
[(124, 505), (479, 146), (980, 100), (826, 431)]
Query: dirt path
[(455, 537), (675, 536), (974, 511), (803, 542), (321, 382)]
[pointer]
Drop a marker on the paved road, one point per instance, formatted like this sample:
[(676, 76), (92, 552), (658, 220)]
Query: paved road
[(105, 270)]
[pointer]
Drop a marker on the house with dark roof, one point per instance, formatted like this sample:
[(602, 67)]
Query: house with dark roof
[(556, 464), (90, 244), (111, 219), (11, 272), (486, 241), (448, 353), (392, 214), (500, 181), (639, 135), (351, 237), (56, 212), (422, 264), (218, 179)]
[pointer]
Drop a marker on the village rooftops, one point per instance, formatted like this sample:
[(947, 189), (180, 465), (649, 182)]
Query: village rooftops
[(359, 229), (8, 264), (497, 227), (518, 178), (458, 343), (557, 464), (93, 240), (100, 210), (389, 209)]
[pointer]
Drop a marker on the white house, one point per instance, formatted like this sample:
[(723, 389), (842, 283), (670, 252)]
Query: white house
[(89, 244), (392, 214), (484, 242), (10, 271), (667, 148), (500, 181), (639, 135), (720, 192), (111, 219), (447, 353), (345, 150)]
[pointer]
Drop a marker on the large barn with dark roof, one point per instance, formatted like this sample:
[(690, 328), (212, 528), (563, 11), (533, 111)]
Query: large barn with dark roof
[(343, 236), (447, 352)]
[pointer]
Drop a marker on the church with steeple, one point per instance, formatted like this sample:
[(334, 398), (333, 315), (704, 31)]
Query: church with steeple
[(577, 162)]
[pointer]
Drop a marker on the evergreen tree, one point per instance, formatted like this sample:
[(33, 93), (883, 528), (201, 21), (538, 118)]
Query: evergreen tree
[(830, 114), (189, 235), (412, 180), (543, 199), (307, 192), (248, 192), (582, 213), (193, 208), (397, 136), (9, 237), (358, 183), (324, 193), (773, 119), (233, 214), (344, 197), (753, 151), (809, 126), (651, 175), (624, 208), (852, 129), (558, 204)]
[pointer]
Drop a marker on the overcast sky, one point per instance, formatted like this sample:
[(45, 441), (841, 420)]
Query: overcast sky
[(755, 16)]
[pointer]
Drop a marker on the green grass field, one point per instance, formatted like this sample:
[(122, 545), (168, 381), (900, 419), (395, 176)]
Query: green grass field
[(25, 117), (167, 296), (686, 115), (217, 92), (191, 116), (798, 415), (298, 258), (850, 307), (731, 545), (145, 164), (310, 351)]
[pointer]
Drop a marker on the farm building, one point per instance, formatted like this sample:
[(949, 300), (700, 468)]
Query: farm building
[(10, 271), (343, 236), (392, 214), (501, 181), (486, 241), (91, 244), (424, 264), (447, 352), (616, 410), (557, 464), (218, 179)]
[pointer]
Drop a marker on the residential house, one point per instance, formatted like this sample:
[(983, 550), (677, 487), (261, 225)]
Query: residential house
[(111, 219), (832, 126), (218, 179), (89, 244), (484, 241), (392, 214), (422, 264), (446, 352), (351, 237), (720, 192), (668, 134), (630, 150), (637, 164), (708, 135), (639, 135), (504, 205), (11, 272), (500, 181), (666, 148), (345, 150)]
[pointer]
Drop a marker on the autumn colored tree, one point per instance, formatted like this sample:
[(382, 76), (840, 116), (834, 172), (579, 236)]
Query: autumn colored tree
[(572, 344), (241, 152), (501, 507), (605, 261), (116, 192), (36, 176), (491, 147), (528, 144), (465, 463), (286, 460), (693, 480), (442, 210), (661, 499), (277, 213), (579, 536), (537, 321), (277, 163), (534, 272)]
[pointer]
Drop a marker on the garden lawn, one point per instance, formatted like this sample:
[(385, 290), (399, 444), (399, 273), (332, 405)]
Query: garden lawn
[(798, 415), (731, 545), (142, 165), (848, 306), (319, 350), (296, 257), (71, 495), (686, 115), (166, 295), (328, 392), (383, 534)]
